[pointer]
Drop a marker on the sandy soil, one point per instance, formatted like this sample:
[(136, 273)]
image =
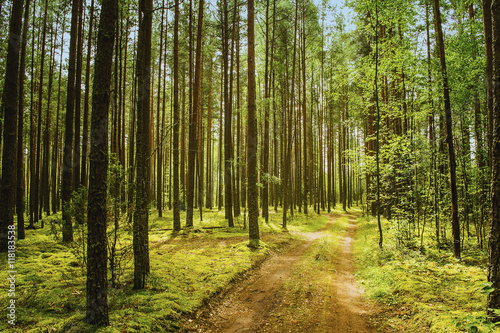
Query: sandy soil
[(259, 304)]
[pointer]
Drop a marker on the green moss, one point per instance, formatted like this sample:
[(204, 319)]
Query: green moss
[(433, 291), (186, 269)]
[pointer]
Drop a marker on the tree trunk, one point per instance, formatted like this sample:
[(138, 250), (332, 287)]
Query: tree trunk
[(36, 185), (377, 104), (449, 134), (20, 147), (32, 144), (236, 194), (193, 123), (487, 26), (78, 98), (228, 138), (85, 134), (253, 200), (288, 169), (141, 215), (67, 171), (10, 104), (97, 298), (209, 182), (494, 236), (265, 158), (159, 135), (45, 195), (175, 152)]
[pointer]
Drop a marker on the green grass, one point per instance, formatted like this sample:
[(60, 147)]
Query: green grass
[(422, 290), (186, 270)]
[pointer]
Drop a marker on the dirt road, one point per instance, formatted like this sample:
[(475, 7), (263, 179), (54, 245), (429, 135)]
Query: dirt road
[(304, 289)]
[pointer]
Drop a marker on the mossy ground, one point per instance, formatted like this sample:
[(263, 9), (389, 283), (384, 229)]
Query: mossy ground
[(424, 289), (186, 269)]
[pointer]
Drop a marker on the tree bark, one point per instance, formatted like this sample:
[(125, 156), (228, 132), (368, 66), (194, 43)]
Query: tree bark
[(78, 98), (288, 169), (20, 147), (36, 185), (449, 134), (175, 152), (193, 123), (141, 215), (494, 236), (253, 200), (67, 168), (209, 182), (85, 134), (45, 193), (159, 134), (97, 258), (487, 26), (228, 138), (10, 105)]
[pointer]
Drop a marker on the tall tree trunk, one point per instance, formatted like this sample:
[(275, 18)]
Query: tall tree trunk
[(236, 194), (209, 182), (449, 134), (55, 149), (265, 158), (175, 152), (159, 136), (67, 171), (78, 98), (85, 134), (304, 119), (20, 147), (36, 185), (220, 197), (253, 200), (32, 144), (193, 122), (10, 105), (487, 26), (228, 138), (288, 183), (141, 215), (132, 134), (494, 236), (97, 258), (45, 195), (377, 104)]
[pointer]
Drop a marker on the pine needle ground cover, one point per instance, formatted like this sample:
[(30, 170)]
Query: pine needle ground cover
[(423, 289), (186, 270)]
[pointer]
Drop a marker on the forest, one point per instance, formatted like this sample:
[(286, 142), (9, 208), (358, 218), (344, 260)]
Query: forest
[(160, 156)]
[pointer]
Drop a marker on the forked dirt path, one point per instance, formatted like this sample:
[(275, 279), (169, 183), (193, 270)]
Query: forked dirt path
[(259, 304)]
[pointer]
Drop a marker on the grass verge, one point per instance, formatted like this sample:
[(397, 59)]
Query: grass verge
[(186, 270), (421, 290)]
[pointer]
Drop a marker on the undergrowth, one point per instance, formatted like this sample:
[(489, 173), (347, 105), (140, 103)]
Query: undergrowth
[(424, 289), (186, 269)]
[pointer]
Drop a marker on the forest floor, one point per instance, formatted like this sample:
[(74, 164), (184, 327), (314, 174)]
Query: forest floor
[(308, 287), (324, 273)]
